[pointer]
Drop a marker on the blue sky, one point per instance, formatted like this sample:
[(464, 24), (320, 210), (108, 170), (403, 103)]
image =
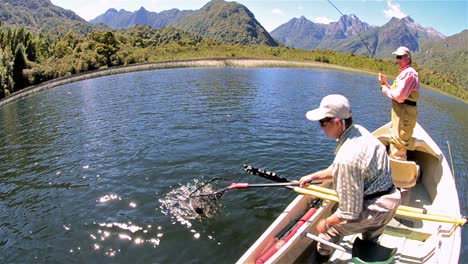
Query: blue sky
[(448, 17)]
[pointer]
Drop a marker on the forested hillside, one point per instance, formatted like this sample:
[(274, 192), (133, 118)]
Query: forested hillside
[(27, 58), (448, 56), (41, 16), (228, 22)]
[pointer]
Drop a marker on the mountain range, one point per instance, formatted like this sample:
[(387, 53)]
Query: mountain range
[(125, 19), (234, 23), (349, 35), (229, 22), (304, 34)]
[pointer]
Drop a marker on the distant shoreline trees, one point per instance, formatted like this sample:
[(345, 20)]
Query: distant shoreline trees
[(27, 59)]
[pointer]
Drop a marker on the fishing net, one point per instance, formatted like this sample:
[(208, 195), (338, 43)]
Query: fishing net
[(206, 197)]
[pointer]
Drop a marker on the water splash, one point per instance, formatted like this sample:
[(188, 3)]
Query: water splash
[(177, 205)]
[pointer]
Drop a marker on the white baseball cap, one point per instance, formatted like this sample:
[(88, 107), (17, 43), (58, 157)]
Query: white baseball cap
[(334, 105), (402, 51)]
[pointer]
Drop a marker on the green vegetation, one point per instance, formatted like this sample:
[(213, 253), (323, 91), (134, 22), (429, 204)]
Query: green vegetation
[(40, 16), (448, 56), (28, 59), (229, 22)]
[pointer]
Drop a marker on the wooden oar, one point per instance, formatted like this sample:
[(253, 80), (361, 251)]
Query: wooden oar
[(401, 207), (402, 211), (329, 194)]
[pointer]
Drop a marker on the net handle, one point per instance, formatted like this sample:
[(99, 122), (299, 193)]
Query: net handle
[(245, 185), (264, 173)]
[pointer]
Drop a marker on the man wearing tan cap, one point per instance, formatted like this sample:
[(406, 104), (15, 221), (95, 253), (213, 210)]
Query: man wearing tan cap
[(361, 177), (404, 94)]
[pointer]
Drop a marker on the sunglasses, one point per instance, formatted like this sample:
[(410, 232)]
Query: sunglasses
[(323, 122), (399, 57)]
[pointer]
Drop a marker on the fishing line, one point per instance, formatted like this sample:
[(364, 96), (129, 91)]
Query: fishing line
[(365, 44)]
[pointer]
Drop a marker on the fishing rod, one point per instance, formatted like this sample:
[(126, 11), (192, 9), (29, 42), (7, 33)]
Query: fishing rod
[(362, 40), (451, 160)]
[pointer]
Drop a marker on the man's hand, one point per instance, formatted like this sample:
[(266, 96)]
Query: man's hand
[(305, 180), (382, 79), (322, 175), (322, 226)]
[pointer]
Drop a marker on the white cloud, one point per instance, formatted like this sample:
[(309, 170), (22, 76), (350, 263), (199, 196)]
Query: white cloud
[(394, 10), (277, 11), (323, 20)]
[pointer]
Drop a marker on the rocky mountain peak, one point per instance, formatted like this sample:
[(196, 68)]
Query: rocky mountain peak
[(112, 11), (408, 19)]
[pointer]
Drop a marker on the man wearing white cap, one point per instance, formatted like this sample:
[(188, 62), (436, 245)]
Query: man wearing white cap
[(404, 94), (361, 177)]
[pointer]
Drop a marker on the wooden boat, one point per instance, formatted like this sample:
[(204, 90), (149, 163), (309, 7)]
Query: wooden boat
[(427, 228)]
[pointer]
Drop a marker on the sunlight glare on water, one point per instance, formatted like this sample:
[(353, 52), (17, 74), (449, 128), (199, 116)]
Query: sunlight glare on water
[(108, 234)]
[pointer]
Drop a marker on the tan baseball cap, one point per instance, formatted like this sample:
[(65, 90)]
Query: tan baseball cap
[(402, 51), (334, 105)]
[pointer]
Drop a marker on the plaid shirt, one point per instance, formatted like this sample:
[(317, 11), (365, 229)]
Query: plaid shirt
[(361, 167)]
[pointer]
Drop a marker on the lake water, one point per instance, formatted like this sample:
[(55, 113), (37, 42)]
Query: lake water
[(86, 168)]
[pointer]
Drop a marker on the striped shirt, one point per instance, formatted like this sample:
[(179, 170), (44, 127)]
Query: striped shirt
[(361, 167)]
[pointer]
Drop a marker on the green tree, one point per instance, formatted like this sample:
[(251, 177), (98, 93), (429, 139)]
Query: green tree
[(62, 49), (107, 45), (2, 75), (31, 51), (6, 70), (19, 64)]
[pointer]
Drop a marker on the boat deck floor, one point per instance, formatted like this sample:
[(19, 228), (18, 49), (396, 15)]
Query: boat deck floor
[(412, 237)]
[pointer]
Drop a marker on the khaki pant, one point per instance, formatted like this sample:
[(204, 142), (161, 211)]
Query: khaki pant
[(404, 118), (371, 222)]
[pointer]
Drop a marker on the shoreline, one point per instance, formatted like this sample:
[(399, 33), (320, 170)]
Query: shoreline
[(185, 63)]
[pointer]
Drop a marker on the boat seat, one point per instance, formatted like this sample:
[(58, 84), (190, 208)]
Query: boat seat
[(404, 173)]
